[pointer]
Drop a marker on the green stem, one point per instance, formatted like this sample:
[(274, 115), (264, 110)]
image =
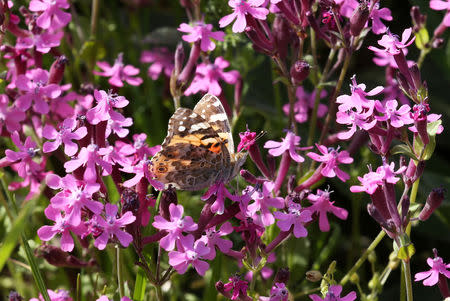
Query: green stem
[(119, 273), (407, 277), (363, 257), (94, 18), (159, 295)]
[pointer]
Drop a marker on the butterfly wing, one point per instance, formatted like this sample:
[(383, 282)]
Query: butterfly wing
[(210, 108), (192, 154)]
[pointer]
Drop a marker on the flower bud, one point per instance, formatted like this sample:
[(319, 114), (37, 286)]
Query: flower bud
[(14, 296), (421, 126), (405, 202), (415, 75), (313, 276), (249, 177), (168, 197), (359, 18), (179, 59), (282, 34), (57, 257), (437, 43), (57, 70), (417, 18), (299, 71), (282, 276), (434, 200), (238, 95)]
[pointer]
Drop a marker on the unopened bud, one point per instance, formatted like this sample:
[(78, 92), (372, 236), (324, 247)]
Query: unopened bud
[(354, 278), (249, 177), (299, 71), (282, 276), (434, 200), (415, 75), (372, 257), (313, 276), (238, 95), (179, 59), (281, 33), (405, 202), (421, 126), (57, 70), (437, 43), (359, 18), (417, 18), (168, 197)]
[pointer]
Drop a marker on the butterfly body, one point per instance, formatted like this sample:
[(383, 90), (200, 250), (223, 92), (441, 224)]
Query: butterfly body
[(198, 150)]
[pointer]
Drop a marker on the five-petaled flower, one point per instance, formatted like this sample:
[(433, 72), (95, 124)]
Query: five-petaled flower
[(191, 253), (52, 16), (331, 158), (322, 205), (295, 217), (240, 9), (438, 267), (391, 43), (119, 73), (289, 144), (65, 136), (201, 32), (334, 294)]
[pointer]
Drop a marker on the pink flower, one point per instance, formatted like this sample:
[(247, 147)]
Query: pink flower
[(304, 105), (355, 119), (175, 227), (240, 9), (25, 154), (104, 110), (118, 127), (192, 253), (119, 73), (358, 99), (221, 192), (43, 41), (52, 16), (290, 144), (391, 43), (278, 292), (388, 172), (334, 294), (247, 139), (207, 77), (141, 170), (111, 227), (432, 276), (36, 89), (61, 226), (442, 5), (396, 118), (74, 197), (385, 59), (263, 200), (161, 58), (212, 239), (65, 136), (238, 286), (376, 15), (369, 183), (10, 117), (295, 217), (60, 295), (347, 7), (142, 148), (322, 205), (90, 156), (201, 32), (331, 158)]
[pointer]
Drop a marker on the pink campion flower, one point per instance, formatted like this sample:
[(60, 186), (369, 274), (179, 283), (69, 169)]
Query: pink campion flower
[(396, 117), (295, 217), (290, 144), (376, 15), (385, 59), (142, 148), (278, 292), (175, 227), (35, 88), (42, 42), (118, 127), (321, 205), (391, 43), (141, 170), (61, 226), (35, 174), (52, 16), (10, 117), (119, 73), (438, 267), (347, 7), (104, 110), (334, 294), (74, 197), (161, 59), (207, 77), (193, 254), (263, 200), (331, 158), (442, 5), (358, 99), (25, 155), (355, 119), (237, 285), (212, 238), (111, 226), (242, 8), (201, 32), (247, 139), (369, 183), (430, 118), (65, 136), (90, 156), (304, 105), (105, 298), (388, 172), (221, 192), (59, 295)]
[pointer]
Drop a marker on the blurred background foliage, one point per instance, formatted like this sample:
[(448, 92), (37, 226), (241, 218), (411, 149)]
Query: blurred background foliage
[(136, 25)]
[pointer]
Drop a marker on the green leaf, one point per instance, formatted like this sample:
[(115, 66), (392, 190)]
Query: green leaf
[(406, 252), (139, 288), (433, 127), (429, 148), (403, 149), (422, 38), (12, 239), (92, 51)]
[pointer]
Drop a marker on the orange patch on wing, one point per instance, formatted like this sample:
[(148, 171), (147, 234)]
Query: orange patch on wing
[(215, 148)]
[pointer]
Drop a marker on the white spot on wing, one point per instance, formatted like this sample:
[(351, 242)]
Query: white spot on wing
[(181, 122), (198, 126), (181, 128), (193, 115), (216, 103), (218, 117)]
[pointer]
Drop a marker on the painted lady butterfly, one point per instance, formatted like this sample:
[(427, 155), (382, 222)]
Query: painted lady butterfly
[(198, 150)]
